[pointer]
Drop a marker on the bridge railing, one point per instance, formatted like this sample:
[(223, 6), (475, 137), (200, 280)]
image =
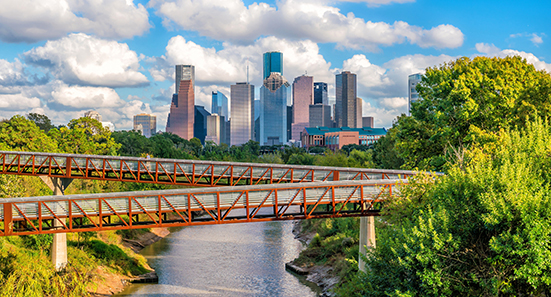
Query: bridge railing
[(179, 172), (186, 207)]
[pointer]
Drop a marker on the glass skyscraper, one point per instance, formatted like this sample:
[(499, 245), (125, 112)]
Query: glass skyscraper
[(346, 105), (413, 96), (273, 62), (320, 93), (242, 110), (220, 105), (182, 109), (273, 110)]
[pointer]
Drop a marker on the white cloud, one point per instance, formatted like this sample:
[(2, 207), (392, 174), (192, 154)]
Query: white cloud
[(14, 102), (536, 39), (77, 97), (227, 66), (231, 20), (530, 58), (400, 103), (31, 21), (12, 76), (86, 60)]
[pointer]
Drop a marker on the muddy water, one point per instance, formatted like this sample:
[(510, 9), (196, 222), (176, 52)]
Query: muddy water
[(225, 260)]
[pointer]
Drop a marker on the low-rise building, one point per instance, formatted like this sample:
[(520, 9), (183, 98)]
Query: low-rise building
[(336, 138)]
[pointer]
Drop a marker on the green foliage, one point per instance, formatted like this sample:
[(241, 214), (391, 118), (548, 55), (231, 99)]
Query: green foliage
[(463, 101), (85, 136), (21, 134), (481, 230), (112, 255), (40, 242), (41, 121)]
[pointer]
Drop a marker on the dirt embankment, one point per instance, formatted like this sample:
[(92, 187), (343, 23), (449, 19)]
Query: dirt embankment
[(321, 275), (106, 283)]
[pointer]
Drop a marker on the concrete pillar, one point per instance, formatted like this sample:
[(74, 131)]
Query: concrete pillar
[(367, 238), (59, 245)]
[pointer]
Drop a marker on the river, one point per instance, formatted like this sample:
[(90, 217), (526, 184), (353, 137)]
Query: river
[(225, 260)]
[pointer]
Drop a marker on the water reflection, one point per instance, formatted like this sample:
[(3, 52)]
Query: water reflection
[(224, 260)]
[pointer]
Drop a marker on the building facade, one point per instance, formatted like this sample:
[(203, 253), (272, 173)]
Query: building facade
[(272, 62), (413, 96), (242, 120), (200, 123), (214, 132), (93, 115), (146, 124), (273, 110), (320, 93), (303, 97), (319, 115), (359, 112), (182, 108), (346, 104), (336, 138), (367, 122), (220, 105)]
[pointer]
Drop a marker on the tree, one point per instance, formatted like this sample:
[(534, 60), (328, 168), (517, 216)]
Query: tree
[(42, 121), (21, 134), (469, 99), (481, 230), (85, 136)]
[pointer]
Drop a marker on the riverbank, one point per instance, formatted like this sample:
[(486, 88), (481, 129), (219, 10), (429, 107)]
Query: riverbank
[(329, 258), (106, 282)]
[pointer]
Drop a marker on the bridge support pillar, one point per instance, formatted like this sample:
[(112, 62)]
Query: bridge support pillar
[(367, 238), (59, 245)]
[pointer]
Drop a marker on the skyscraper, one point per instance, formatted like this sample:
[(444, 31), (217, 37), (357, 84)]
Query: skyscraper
[(359, 112), (184, 72), (242, 120), (303, 97), (346, 101), (273, 110), (413, 96), (146, 124), (320, 115), (320, 93), (273, 62), (182, 109), (220, 105), (200, 123)]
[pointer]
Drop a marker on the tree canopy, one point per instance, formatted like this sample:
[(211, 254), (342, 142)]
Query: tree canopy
[(465, 101)]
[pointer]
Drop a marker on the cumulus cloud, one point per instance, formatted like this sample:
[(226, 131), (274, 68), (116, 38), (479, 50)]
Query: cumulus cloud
[(228, 65), (14, 102), (536, 39), (530, 58), (77, 97), (86, 60), (294, 19), (390, 79), (29, 21)]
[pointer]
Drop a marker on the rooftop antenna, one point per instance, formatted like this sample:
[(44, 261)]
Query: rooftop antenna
[(247, 70)]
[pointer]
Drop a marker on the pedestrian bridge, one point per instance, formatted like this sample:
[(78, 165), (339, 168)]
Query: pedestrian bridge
[(238, 192)]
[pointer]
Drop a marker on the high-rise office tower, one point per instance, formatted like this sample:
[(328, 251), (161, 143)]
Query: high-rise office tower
[(200, 123), (359, 113), (242, 120), (214, 133), (273, 110), (273, 62), (184, 72), (220, 105), (182, 109), (320, 93), (346, 101), (413, 96), (146, 124), (303, 97), (320, 115), (367, 122)]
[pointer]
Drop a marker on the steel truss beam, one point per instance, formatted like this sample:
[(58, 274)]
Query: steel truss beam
[(188, 207), (179, 172)]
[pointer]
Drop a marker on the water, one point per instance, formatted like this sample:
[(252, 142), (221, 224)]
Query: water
[(225, 260)]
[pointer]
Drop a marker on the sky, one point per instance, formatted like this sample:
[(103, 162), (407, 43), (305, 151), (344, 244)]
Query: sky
[(62, 58)]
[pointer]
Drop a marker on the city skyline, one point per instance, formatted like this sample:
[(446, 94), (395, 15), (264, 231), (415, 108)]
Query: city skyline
[(124, 66)]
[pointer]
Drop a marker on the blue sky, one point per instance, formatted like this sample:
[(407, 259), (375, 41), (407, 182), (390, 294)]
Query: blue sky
[(65, 57)]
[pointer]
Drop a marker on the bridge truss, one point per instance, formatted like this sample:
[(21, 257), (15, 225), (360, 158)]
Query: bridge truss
[(238, 193)]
